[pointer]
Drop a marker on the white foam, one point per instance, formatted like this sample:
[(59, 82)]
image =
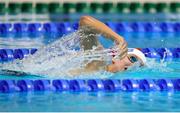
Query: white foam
[(59, 57)]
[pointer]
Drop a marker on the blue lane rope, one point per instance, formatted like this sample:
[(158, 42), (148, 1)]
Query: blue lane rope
[(59, 29), (11, 54), (158, 53), (90, 85)]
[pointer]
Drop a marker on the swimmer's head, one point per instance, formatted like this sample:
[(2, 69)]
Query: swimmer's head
[(134, 56)]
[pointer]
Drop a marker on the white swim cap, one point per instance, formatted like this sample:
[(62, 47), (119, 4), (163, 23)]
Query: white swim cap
[(138, 54)]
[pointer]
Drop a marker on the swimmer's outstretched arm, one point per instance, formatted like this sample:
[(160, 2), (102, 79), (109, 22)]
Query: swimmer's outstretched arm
[(90, 27), (98, 27)]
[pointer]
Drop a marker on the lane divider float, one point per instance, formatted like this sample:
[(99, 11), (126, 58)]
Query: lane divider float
[(157, 53), (61, 28), (90, 85)]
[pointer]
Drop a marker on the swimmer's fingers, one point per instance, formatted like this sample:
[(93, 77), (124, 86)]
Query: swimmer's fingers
[(123, 49), (123, 45), (123, 53)]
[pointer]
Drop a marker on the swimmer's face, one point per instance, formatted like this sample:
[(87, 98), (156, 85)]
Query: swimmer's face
[(120, 65)]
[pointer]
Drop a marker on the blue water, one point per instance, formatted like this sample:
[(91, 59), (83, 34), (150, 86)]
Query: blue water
[(66, 101), (119, 101), (168, 69)]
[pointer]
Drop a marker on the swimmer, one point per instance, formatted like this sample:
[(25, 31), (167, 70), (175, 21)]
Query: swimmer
[(127, 57), (90, 27)]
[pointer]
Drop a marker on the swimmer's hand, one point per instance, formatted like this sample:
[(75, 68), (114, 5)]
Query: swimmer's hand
[(97, 27), (123, 49)]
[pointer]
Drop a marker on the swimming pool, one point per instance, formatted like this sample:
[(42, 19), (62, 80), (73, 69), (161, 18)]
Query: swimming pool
[(150, 35), (67, 101), (107, 101)]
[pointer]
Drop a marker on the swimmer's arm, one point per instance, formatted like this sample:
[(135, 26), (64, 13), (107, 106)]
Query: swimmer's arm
[(100, 28), (93, 66)]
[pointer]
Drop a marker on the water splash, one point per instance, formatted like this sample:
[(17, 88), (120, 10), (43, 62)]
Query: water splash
[(62, 57)]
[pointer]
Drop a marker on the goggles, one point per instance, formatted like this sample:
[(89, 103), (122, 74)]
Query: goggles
[(132, 59)]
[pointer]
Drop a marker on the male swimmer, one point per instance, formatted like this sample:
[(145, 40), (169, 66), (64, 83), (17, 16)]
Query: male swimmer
[(127, 57)]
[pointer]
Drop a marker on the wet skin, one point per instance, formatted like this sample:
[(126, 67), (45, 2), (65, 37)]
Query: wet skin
[(119, 65)]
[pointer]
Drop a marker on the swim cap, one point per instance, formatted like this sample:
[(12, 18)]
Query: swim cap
[(138, 54)]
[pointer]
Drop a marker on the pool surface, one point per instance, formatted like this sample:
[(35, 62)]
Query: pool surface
[(38, 30), (107, 101), (89, 102)]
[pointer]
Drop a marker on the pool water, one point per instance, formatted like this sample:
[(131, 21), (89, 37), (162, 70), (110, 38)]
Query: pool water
[(107, 101), (89, 102), (155, 69)]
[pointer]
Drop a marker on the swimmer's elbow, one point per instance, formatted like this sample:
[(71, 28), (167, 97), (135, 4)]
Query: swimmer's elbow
[(85, 21)]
